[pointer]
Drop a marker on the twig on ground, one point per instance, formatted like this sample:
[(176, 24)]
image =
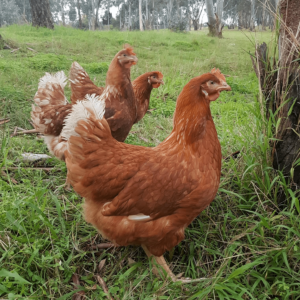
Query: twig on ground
[(103, 246), (31, 131), (79, 295), (31, 49), (30, 168), (151, 110), (3, 121), (143, 139), (31, 123), (15, 50), (233, 155), (159, 127), (104, 286), (11, 178)]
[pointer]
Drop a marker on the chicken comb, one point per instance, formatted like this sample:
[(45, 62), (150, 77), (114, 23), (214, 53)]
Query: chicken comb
[(218, 74), (129, 49), (160, 75)]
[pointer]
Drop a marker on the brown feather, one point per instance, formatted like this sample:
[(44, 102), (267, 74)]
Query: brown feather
[(81, 84)]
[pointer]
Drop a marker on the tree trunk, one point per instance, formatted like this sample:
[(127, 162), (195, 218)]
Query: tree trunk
[(41, 14), (211, 17), (252, 20), (129, 16), (280, 82), (220, 4), (97, 14), (63, 12), (141, 16), (169, 11), (93, 19), (79, 14), (263, 23), (219, 26), (108, 9), (147, 17), (214, 21)]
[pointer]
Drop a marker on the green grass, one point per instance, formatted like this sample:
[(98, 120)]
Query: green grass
[(247, 243)]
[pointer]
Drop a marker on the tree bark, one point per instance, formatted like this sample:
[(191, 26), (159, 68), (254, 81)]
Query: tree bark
[(214, 20), (252, 20), (211, 17), (220, 5), (263, 25), (280, 82), (93, 19), (97, 14), (79, 14), (63, 12), (108, 8), (141, 16), (147, 17), (129, 16), (41, 14)]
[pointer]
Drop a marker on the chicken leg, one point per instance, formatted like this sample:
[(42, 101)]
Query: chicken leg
[(160, 261)]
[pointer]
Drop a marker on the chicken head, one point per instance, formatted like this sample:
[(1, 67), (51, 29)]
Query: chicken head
[(127, 57), (212, 88), (155, 79)]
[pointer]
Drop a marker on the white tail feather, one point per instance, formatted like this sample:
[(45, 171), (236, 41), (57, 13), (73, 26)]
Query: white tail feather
[(59, 78), (81, 111)]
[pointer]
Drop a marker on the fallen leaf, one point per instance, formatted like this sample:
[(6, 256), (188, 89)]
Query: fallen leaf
[(101, 264), (131, 261), (143, 139)]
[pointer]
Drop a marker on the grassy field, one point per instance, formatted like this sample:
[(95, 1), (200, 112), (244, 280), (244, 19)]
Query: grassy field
[(246, 244)]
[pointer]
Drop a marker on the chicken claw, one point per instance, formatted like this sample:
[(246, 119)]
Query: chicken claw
[(159, 260)]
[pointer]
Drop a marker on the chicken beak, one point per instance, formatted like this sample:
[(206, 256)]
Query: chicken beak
[(133, 59), (224, 87), (161, 81)]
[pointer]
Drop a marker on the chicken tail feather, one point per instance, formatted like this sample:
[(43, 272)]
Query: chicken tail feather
[(50, 109), (81, 84), (93, 108)]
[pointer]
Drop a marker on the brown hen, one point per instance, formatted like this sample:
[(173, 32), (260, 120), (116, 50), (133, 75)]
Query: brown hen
[(81, 85), (52, 109), (147, 196)]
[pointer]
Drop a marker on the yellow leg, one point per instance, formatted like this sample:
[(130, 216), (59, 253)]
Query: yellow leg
[(160, 261)]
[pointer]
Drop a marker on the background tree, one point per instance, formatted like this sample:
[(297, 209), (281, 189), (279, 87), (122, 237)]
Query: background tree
[(9, 12), (141, 16), (41, 14), (279, 80), (214, 19)]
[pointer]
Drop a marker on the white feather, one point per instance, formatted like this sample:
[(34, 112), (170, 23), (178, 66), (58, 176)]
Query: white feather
[(59, 78), (80, 112), (139, 217)]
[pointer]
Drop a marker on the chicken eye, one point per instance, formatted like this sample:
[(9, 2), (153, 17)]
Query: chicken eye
[(154, 76), (124, 55), (211, 82)]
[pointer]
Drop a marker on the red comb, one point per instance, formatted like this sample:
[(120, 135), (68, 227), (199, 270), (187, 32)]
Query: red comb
[(160, 75), (218, 74), (129, 49)]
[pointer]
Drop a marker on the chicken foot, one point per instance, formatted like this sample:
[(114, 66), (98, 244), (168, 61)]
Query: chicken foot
[(159, 262)]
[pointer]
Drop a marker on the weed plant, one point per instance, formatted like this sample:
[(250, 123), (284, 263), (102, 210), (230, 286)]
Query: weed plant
[(246, 244)]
